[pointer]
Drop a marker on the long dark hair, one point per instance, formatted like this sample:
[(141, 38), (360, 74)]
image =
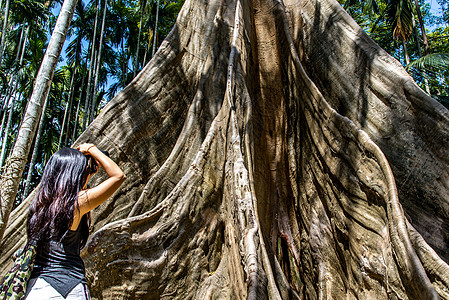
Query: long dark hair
[(51, 212)]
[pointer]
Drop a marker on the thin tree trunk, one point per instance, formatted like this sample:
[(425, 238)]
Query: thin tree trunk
[(91, 69), (418, 46), (423, 29), (15, 164), (5, 23), (64, 120), (67, 137), (147, 48), (75, 128), (155, 29), (27, 32), (98, 64), (8, 126), (404, 48), (5, 112), (14, 83), (67, 110), (89, 95), (19, 57), (7, 103), (124, 62), (424, 37), (27, 189), (136, 59)]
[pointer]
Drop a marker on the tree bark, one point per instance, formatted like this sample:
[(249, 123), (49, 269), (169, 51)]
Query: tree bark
[(272, 151), (27, 188), (155, 29), (15, 164)]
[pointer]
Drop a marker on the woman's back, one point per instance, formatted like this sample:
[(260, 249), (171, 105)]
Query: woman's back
[(63, 203), (60, 264)]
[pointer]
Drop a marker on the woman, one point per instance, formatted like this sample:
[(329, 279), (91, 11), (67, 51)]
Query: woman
[(58, 221)]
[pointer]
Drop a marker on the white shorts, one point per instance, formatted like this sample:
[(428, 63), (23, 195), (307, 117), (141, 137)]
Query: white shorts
[(42, 290)]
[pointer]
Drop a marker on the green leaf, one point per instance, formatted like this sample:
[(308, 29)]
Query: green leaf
[(435, 61)]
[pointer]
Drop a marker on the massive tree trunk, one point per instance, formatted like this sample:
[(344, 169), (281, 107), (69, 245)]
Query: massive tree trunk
[(272, 151)]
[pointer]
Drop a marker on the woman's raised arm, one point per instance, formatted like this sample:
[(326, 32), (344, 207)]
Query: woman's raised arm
[(91, 198)]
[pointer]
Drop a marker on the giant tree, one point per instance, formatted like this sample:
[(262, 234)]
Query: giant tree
[(272, 150)]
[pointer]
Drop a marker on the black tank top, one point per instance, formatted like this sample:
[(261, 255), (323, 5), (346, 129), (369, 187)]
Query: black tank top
[(60, 264)]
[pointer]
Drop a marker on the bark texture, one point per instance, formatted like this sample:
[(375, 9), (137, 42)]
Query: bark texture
[(273, 151)]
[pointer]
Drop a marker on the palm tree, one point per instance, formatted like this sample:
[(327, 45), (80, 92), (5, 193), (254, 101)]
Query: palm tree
[(98, 63), (27, 188), (81, 26), (5, 23), (422, 27), (91, 69), (399, 16), (143, 5), (155, 29), (17, 160), (12, 97)]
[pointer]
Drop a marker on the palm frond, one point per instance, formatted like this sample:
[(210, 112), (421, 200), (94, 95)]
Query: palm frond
[(435, 61), (371, 6), (400, 18)]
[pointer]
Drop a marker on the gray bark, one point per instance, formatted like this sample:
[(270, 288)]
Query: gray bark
[(15, 164), (27, 188), (272, 151)]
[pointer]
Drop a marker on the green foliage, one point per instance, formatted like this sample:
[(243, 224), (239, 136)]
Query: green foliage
[(435, 62), (36, 20), (399, 19)]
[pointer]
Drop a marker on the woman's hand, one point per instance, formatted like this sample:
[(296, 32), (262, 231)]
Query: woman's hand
[(91, 198), (85, 147)]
